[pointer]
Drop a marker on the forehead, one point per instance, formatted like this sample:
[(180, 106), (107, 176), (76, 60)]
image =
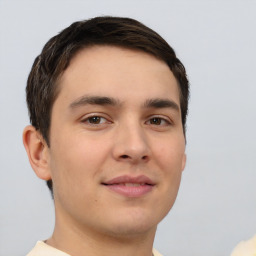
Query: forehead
[(117, 71)]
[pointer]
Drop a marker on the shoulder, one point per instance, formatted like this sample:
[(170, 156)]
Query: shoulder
[(245, 248), (156, 253), (43, 249)]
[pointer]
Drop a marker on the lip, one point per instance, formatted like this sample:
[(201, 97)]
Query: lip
[(130, 186)]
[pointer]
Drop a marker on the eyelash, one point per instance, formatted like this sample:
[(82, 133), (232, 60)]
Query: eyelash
[(161, 119), (87, 120), (90, 118)]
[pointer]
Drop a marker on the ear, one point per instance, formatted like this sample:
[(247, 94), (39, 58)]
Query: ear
[(184, 160), (37, 151)]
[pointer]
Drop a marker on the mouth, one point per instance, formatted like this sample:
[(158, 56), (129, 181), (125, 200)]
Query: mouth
[(130, 186)]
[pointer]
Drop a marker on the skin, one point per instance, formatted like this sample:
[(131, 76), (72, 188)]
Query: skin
[(93, 143)]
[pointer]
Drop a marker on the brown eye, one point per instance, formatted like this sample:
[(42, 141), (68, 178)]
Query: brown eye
[(156, 121), (94, 120)]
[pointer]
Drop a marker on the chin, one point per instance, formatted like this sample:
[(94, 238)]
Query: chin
[(133, 224), (125, 231)]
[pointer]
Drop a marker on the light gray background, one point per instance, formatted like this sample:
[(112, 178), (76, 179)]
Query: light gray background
[(216, 41)]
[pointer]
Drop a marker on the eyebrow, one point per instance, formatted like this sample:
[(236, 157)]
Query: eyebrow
[(94, 100), (103, 100), (161, 103)]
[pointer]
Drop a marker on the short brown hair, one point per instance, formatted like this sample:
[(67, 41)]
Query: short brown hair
[(42, 84)]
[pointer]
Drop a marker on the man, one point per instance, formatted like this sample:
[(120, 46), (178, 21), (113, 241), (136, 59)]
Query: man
[(108, 103)]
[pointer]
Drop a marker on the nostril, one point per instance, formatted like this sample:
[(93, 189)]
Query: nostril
[(126, 156)]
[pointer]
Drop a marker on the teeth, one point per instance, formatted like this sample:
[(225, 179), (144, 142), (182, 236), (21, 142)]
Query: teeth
[(133, 184)]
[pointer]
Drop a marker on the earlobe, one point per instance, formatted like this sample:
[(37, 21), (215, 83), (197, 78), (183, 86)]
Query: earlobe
[(37, 151)]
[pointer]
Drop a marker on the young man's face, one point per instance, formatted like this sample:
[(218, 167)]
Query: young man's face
[(116, 142)]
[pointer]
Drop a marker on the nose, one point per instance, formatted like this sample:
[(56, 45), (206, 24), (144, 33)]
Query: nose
[(131, 144)]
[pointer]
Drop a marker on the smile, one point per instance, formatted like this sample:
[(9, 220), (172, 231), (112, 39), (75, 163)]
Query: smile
[(130, 186)]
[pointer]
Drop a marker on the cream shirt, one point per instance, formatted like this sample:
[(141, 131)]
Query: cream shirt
[(245, 248), (43, 249)]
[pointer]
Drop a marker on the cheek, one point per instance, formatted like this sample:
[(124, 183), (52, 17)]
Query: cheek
[(77, 157), (170, 159), (170, 156)]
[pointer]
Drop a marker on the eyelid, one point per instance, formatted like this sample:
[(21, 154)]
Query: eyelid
[(168, 120), (96, 114)]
